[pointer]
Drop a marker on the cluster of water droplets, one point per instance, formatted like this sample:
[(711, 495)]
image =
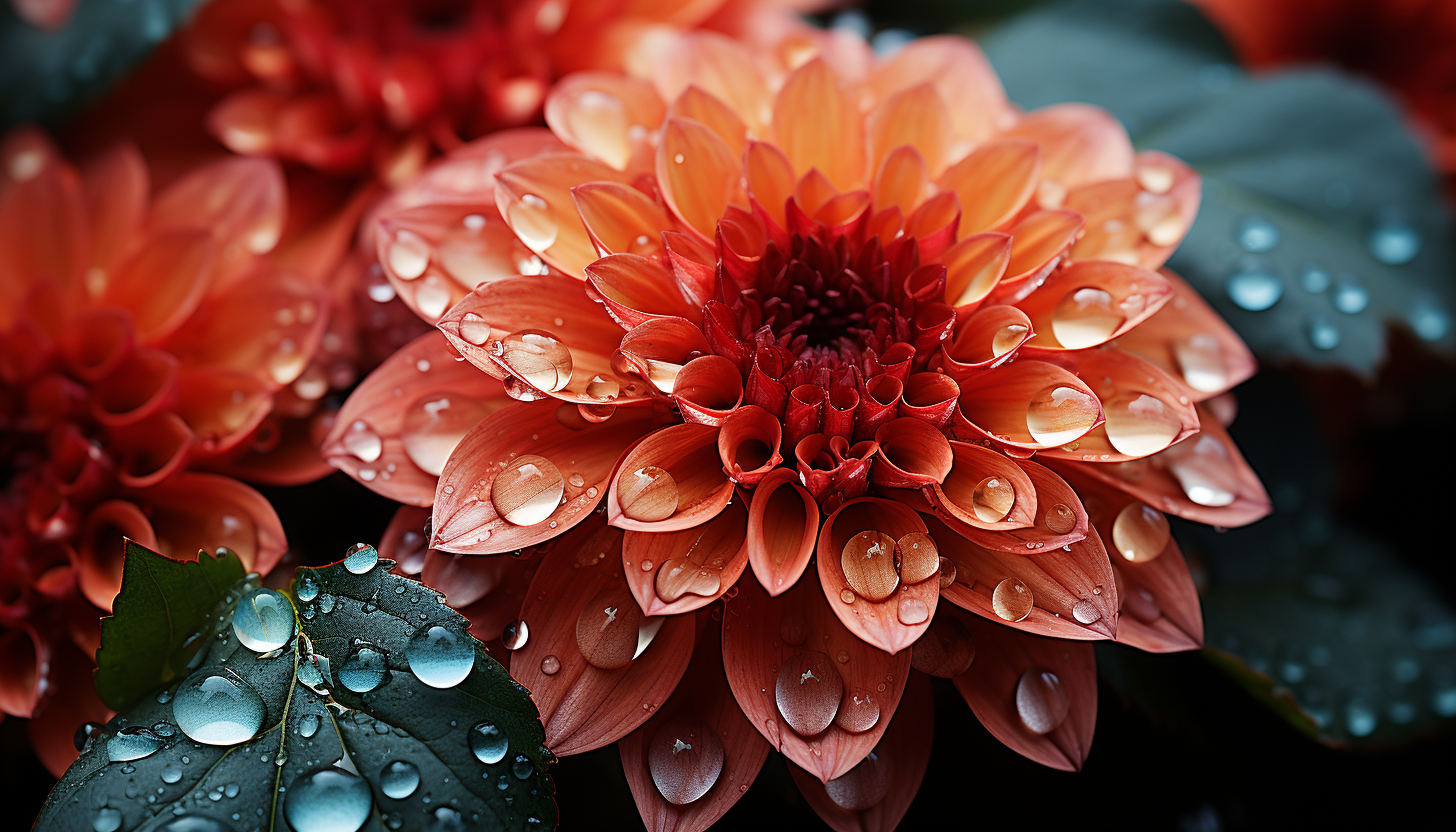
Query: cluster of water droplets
[(876, 566)]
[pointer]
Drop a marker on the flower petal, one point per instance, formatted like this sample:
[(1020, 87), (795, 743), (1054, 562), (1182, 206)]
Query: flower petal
[(973, 267), (895, 615), (1141, 219), (708, 390), (221, 407), (1027, 404), (434, 255), (1060, 518), (699, 174), (636, 290), (26, 657), (619, 219), (930, 397), (1091, 302), (534, 195), (748, 444), (994, 183), (163, 283), (241, 200), (1079, 143), (117, 188), (783, 527), (708, 110), (985, 489), (987, 338), (73, 700), (717, 64), (43, 233), (963, 77), (915, 117), (601, 113), (671, 480), (832, 139), (1038, 242), (913, 453), (679, 571), (1146, 409), (194, 511)]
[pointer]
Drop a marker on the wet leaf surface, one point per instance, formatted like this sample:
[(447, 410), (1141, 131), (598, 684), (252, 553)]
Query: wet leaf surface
[(375, 711), (1320, 223)]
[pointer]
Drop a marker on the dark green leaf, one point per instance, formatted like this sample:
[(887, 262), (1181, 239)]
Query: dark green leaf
[(314, 729), (1324, 159), (45, 74), (162, 604)]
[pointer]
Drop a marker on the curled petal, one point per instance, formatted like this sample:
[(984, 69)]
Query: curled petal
[(902, 582), (994, 183), (748, 444), (284, 452), (783, 526), (195, 511), (694, 267), (708, 390), (985, 489), (221, 407), (973, 267), (833, 140), (552, 467), (142, 384), (929, 397), (620, 218), (933, 225), (671, 480), (150, 450), (912, 454), (790, 661), (658, 350), (1146, 409), (636, 290), (1037, 695), (875, 795), (400, 425), (579, 588), (676, 572), (989, 337), (699, 174), (1079, 143), (101, 549), (1141, 219), (534, 195), (960, 73), (1038, 242), (1027, 404), (1092, 302), (832, 469), (877, 407), (97, 343), (599, 113)]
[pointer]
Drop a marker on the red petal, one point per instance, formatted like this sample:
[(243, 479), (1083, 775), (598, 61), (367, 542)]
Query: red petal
[(195, 511), (43, 233), (151, 450), (26, 658), (900, 760), (783, 526), (163, 283), (584, 706), (912, 453), (1003, 658), (960, 493), (1038, 242), (658, 349), (242, 201), (762, 635), (285, 452), (567, 452), (270, 323), (101, 550), (1092, 302), (221, 407), (636, 290), (73, 701), (708, 390), (748, 444), (832, 139), (117, 189), (989, 337), (891, 623), (929, 397), (1060, 518), (671, 480), (404, 541), (998, 405), (143, 384), (401, 424), (676, 572), (434, 255)]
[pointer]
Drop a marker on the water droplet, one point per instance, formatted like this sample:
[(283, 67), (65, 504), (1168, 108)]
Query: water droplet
[(1258, 235), (1393, 241), (1006, 339), (868, 560), (863, 786), (1139, 424), (434, 425), (648, 494), (992, 499), (1313, 278), (1060, 519), (308, 725), (792, 629), (308, 589), (538, 358), (1059, 414), (1351, 296), (947, 572), (365, 669), (1086, 317), (439, 656), (214, 706), (399, 779), (85, 733), (846, 595), (528, 491), (1201, 471), (1360, 719), (522, 767), (515, 635), (1200, 360), (917, 557), (1154, 178), (808, 691), (859, 712), (263, 620), (1040, 701), (531, 219), (1140, 532), (361, 441), (327, 800), (360, 558), (912, 611), (133, 743), (106, 819), (1085, 612), (1322, 332), (1011, 599), (606, 628), (550, 665), (474, 329), (489, 743), (1428, 318), (193, 823), (1254, 287), (685, 758)]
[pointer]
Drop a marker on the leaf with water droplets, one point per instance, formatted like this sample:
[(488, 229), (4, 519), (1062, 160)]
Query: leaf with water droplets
[(1321, 221), (360, 702)]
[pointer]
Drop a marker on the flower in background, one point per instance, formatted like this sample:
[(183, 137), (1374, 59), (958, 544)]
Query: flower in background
[(345, 86), (44, 14), (746, 310), (152, 349)]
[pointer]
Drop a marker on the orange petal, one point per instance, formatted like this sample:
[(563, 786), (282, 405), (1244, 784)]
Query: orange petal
[(150, 450), (973, 267), (579, 590), (659, 350), (143, 383), (1079, 143), (24, 654), (284, 452), (708, 390), (1038, 242), (930, 397), (526, 473), (915, 117), (898, 567), (1146, 409), (717, 64), (163, 283), (101, 549), (994, 183), (1091, 302), (247, 121), (400, 425), (699, 174), (901, 180), (194, 511), (912, 453), (708, 110), (671, 480), (604, 114), (621, 219), (771, 178), (404, 540), (117, 189), (963, 77), (636, 290), (985, 489), (783, 526), (1141, 219), (434, 255), (680, 793), (43, 233), (676, 572), (1037, 695), (221, 407), (534, 195), (874, 796), (241, 200), (1060, 518), (748, 444), (791, 662), (1027, 404), (988, 338), (819, 126)]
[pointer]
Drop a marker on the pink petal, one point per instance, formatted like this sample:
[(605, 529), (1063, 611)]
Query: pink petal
[(671, 480), (680, 571), (893, 622)]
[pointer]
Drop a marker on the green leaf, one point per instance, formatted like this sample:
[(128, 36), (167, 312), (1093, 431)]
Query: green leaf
[(1324, 159), (45, 74), (150, 635), (334, 729)]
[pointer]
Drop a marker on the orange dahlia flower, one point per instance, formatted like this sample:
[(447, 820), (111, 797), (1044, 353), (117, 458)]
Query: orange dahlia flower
[(804, 311), (343, 85), (149, 346)]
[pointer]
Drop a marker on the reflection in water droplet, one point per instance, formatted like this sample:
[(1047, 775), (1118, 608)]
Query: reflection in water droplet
[(947, 572), (1060, 519), (808, 691), (263, 620), (171, 774), (528, 491), (917, 557), (308, 588), (1086, 317), (522, 767), (685, 759), (515, 635), (1257, 234), (1139, 424), (1040, 701), (399, 779), (1202, 471), (861, 787), (550, 665), (1140, 532), (214, 706), (1351, 296), (1254, 287), (859, 712), (308, 725), (912, 611), (1085, 612), (439, 656), (1006, 339), (684, 576), (365, 669), (361, 558), (531, 219), (647, 494), (992, 499), (1011, 599), (85, 733), (327, 800), (489, 743), (132, 743), (538, 357), (1059, 414), (868, 560), (407, 255)]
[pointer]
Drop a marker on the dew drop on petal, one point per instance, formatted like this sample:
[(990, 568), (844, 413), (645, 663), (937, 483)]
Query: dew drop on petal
[(1140, 604), (528, 490), (947, 572), (214, 706), (263, 620), (515, 635), (808, 691), (531, 218), (1011, 600), (863, 786), (1006, 339), (859, 712), (550, 665), (1200, 360), (1140, 532), (474, 329), (538, 358), (1086, 317), (361, 441), (327, 800), (1060, 519), (606, 628), (917, 557), (945, 650), (685, 758), (1139, 424), (912, 611), (489, 743), (440, 656), (992, 499), (1059, 414), (1085, 612), (1041, 703), (868, 560), (648, 494), (433, 425), (407, 255)]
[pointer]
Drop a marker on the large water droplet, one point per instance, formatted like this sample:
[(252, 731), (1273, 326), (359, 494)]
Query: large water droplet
[(868, 560), (912, 611), (214, 706), (308, 588), (861, 787), (407, 255), (309, 725), (684, 758), (531, 219), (947, 572), (489, 743), (1006, 339), (917, 557), (327, 800), (1200, 360), (361, 441), (992, 499), (1201, 471), (440, 656), (1086, 317), (648, 494), (1428, 318), (365, 669), (515, 635), (1060, 519), (434, 425), (1085, 612), (538, 357), (859, 712), (1257, 234), (1139, 424), (808, 692), (473, 328), (1011, 599), (683, 576), (1254, 287), (1040, 701), (132, 743), (1059, 414), (263, 620), (1140, 532), (193, 823), (399, 779), (1393, 241), (528, 490), (360, 558), (606, 628), (1140, 604), (85, 733)]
